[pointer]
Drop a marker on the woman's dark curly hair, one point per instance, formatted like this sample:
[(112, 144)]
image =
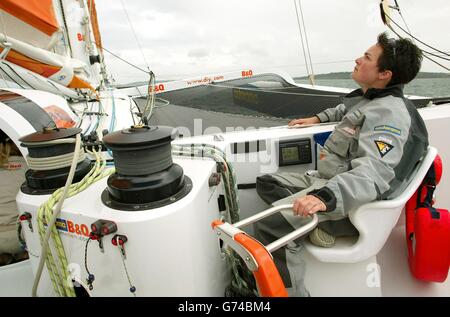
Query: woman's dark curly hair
[(401, 56)]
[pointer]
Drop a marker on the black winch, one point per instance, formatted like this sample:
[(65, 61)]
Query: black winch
[(41, 147), (146, 176)]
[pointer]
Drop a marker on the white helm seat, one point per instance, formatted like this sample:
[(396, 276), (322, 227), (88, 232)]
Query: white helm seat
[(374, 221)]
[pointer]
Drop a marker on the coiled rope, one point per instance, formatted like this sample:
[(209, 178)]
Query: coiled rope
[(53, 162)]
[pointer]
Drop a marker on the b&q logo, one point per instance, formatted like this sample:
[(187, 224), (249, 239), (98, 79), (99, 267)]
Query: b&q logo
[(71, 227), (247, 73), (158, 88)]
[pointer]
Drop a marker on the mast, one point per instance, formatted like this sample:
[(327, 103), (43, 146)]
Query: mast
[(96, 39), (75, 17)]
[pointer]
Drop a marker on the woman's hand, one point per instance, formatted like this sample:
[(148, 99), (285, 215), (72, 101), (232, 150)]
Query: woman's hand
[(312, 120), (308, 205)]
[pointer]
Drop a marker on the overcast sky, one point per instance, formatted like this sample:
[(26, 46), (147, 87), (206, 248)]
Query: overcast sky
[(185, 38)]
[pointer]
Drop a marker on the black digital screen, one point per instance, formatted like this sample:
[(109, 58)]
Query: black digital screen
[(290, 154), (293, 152)]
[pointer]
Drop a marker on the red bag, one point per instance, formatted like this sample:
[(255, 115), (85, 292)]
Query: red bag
[(429, 244), (428, 231)]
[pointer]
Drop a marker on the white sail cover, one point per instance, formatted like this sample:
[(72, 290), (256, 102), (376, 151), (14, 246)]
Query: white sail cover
[(31, 21), (40, 36)]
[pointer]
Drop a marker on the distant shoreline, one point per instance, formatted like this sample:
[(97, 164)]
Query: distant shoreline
[(347, 75)]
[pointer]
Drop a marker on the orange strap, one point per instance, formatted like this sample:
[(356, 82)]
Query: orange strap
[(267, 276)]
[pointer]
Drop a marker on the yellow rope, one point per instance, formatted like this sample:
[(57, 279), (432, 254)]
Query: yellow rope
[(60, 275)]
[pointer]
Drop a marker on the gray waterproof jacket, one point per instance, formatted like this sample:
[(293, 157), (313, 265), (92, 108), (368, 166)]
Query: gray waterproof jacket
[(376, 145)]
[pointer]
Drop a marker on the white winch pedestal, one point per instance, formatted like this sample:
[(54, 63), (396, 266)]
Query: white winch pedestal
[(170, 251)]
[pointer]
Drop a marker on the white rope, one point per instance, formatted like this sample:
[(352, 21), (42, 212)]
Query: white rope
[(53, 162), (51, 222), (150, 103)]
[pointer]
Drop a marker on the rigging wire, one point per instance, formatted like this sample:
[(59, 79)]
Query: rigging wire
[(125, 61), (296, 65), (436, 55), (301, 38), (404, 21), (424, 55), (408, 32), (415, 38), (151, 89), (306, 38), (445, 53), (134, 34), (437, 63)]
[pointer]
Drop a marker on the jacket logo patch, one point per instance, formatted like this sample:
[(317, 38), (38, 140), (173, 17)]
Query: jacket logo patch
[(385, 140), (383, 147), (388, 128)]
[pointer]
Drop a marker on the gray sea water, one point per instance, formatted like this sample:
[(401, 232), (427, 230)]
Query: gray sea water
[(429, 87)]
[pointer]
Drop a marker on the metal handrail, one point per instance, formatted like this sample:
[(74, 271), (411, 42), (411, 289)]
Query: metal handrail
[(275, 245)]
